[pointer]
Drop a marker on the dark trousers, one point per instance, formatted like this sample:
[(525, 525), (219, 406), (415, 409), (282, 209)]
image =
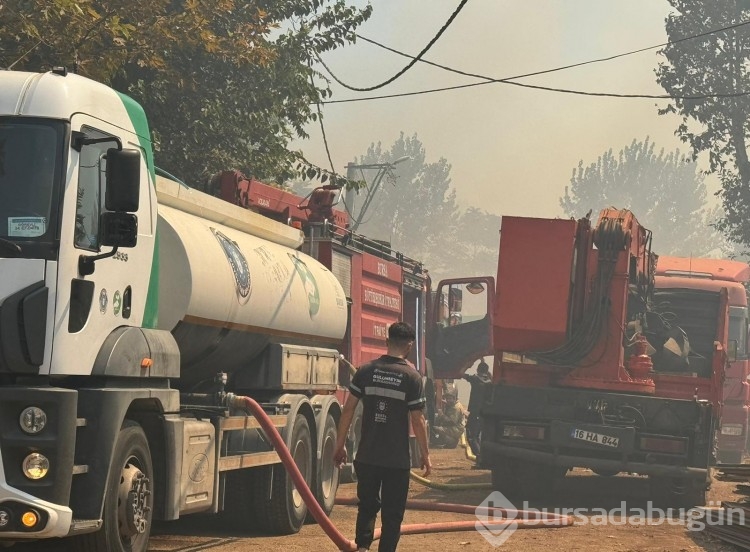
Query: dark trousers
[(385, 490), (474, 433)]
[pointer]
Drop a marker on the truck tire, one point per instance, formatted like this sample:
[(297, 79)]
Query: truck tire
[(538, 480), (128, 502), (286, 512), (327, 476), (347, 473), (505, 476), (672, 492)]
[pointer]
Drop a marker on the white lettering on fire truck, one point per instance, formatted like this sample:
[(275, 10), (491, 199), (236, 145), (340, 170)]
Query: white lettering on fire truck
[(381, 299)]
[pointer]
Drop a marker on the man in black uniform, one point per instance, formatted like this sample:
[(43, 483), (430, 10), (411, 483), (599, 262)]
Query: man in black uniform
[(391, 391), (479, 382)]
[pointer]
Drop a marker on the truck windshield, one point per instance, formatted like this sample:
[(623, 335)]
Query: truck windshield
[(30, 169)]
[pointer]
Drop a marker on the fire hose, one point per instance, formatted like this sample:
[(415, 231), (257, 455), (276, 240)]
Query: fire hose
[(346, 545), (448, 486), (469, 454), (453, 486)]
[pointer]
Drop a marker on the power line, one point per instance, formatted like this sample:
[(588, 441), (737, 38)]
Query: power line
[(508, 80), (547, 89), (328, 151), (323, 129), (564, 67), (408, 65)]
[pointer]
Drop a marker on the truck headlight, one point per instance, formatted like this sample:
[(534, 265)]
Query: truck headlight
[(33, 420), (731, 429), (35, 466)]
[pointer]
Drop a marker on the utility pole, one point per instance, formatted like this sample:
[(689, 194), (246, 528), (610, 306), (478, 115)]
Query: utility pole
[(383, 169)]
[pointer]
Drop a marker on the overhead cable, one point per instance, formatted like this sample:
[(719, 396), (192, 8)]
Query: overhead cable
[(408, 65), (508, 80)]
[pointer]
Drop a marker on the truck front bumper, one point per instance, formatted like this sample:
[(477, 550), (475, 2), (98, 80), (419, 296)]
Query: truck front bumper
[(54, 520), (48, 497)]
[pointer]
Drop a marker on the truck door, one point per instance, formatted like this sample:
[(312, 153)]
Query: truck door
[(460, 329), (89, 307)]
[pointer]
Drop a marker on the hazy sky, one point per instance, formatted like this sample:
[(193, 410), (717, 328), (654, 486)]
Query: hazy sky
[(512, 149)]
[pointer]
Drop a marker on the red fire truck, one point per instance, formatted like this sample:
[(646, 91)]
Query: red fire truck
[(589, 371)]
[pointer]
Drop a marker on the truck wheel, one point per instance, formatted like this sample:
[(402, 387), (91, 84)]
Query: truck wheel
[(129, 499), (286, 511), (537, 480), (505, 476), (347, 473), (673, 492), (327, 477)]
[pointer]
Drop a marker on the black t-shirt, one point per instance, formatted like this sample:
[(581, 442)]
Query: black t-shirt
[(389, 387), (479, 383)]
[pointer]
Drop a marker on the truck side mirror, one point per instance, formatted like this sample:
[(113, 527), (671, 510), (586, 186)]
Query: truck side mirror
[(119, 229), (118, 224), (123, 180)]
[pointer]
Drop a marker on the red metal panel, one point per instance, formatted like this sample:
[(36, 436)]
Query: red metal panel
[(370, 353), (375, 329), (535, 270), (355, 321), (274, 199), (381, 268), (381, 297)]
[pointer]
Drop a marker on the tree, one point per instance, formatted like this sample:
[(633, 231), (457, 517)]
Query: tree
[(713, 64), (416, 209), (477, 240), (665, 191), (226, 84)]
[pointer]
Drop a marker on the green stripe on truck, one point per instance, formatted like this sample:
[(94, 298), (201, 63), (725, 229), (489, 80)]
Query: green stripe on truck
[(140, 125)]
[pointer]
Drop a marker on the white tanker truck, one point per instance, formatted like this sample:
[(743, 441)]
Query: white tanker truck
[(132, 305)]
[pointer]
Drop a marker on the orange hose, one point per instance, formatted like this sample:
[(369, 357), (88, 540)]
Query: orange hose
[(346, 545)]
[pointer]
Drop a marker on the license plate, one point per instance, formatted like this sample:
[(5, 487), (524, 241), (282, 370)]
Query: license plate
[(595, 438)]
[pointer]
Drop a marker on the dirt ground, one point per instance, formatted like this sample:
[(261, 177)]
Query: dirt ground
[(579, 490)]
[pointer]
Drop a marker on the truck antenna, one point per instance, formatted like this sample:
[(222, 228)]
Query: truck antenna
[(26, 53)]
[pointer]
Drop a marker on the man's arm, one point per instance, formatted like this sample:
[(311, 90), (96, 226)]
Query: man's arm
[(471, 378), (419, 425), (339, 456)]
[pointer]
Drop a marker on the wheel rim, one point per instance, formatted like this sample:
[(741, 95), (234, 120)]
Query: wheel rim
[(133, 501), (301, 456), (327, 468)]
